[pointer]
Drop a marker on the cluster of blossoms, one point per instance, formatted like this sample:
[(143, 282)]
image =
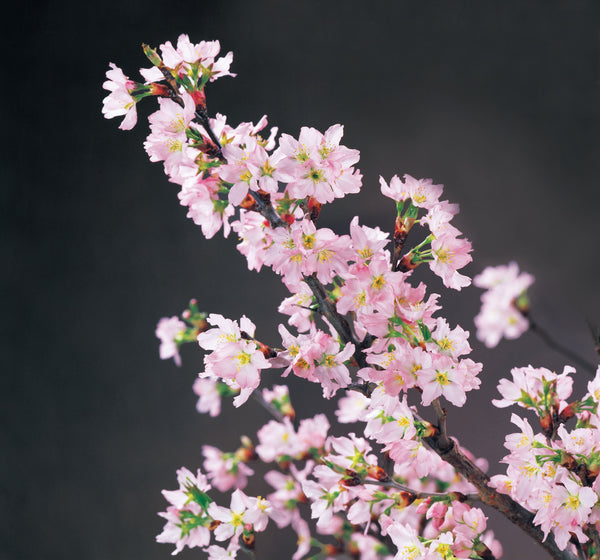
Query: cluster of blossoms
[(193, 516), (356, 321), (554, 473), (504, 304)]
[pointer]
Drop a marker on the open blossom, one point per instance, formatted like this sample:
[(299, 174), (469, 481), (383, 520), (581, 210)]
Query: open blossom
[(167, 330), (451, 253), (298, 307), (530, 382), (499, 315), (367, 241), (249, 168), (210, 399), (233, 357), (316, 165), (244, 510), (225, 470), (187, 522), (304, 250), (422, 192), (445, 378), (119, 102), (254, 236), (205, 208), (186, 53)]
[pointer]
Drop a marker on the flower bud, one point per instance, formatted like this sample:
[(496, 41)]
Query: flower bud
[(376, 472), (352, 478)]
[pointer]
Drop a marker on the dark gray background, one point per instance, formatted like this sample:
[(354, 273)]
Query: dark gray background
[(497, 100)]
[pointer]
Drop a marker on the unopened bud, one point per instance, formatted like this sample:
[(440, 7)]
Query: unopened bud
[(546, 423), (199, 98), (482, 550), (248, 203), (429, 430), (267, 351), (331, 550), (404, 499), (245, 453), (152, 55), (159, 90), (406, 263), (314, 207), (352, 478), (568, 412), (288, 410), (568, 461), (249, 540), (376, 472)]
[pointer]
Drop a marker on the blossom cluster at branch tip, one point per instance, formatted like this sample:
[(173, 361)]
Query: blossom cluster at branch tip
[(504, 304)]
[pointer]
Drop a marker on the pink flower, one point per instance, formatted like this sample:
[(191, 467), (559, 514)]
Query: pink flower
[(298, 307), (120, 101), (225, 470), (316, 165), (204, 206), (210, 399), (167, 330), (187, 522), (352, 407), (499, 316), (422, 192), (233, 357), (366, 241), (233, 518), (449, 255), (445, 378), (277, 439), (187, 54)]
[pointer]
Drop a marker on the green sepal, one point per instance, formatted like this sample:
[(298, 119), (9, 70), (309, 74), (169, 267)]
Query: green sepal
[(220, 205), (225, 390), (425, 332), (198, 496), (152, 55)]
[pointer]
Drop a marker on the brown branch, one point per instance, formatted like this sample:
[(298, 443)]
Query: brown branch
[(591, 532), (203, 116), (418, 495), (558, 347), (339, 323), (450, 452)]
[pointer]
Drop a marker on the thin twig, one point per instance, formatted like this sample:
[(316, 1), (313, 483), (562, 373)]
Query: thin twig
[(339, 323), (422, 495), (591, 532), (552, 343), (257, 396), (203, 116)]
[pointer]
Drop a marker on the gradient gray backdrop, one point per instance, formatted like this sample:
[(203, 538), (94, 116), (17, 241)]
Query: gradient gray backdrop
[(497, 100)]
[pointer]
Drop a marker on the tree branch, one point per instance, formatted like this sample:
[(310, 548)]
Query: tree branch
[(450, 452), (339, 323), (558, 347)]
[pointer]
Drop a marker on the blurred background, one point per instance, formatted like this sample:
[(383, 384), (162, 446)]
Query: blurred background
[(499, 101)]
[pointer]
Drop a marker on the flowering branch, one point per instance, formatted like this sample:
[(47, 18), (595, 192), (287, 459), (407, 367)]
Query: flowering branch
[(270, 192)]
